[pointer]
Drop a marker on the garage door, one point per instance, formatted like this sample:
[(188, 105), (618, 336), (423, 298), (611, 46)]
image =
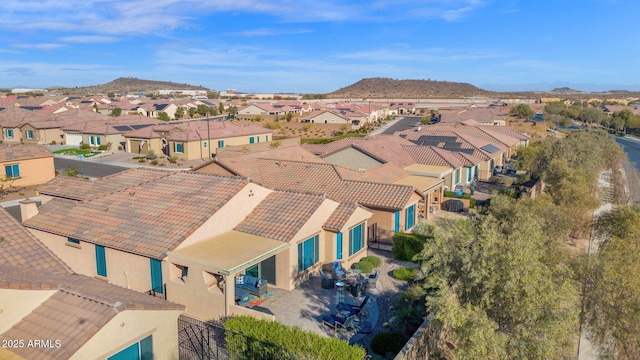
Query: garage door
[(73, 139)]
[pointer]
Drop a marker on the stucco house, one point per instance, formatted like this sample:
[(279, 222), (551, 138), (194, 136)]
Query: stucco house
[(26, 164), (51, 312), (186, 236)]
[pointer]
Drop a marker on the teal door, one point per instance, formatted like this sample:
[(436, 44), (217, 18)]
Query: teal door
[(396, 221), (339, 246), (156, 276)]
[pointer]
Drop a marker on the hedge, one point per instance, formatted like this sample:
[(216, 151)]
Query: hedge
[(388, 342), (288, 342), (364, 266), (405, 274), (374, 260), (406, 246)]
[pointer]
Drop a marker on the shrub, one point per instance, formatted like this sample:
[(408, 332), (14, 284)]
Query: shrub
[(141, 160), (288, 342), (501, 180), (388, 342), (85, 146), (52, 143), (364, 266), (154, 162), (373, 260), (151, 155), (119, 147), (406, 246), (405, 274), (103, 147), (173, 159)]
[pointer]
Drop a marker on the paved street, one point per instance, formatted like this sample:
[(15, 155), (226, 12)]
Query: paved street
[(402, 124), (87, 167)]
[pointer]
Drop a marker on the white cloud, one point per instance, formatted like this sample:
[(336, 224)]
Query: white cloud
[(43, 46), (89, 39)]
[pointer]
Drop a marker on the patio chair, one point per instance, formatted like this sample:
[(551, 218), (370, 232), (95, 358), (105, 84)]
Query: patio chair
[(339, 322), (338, 270), (352, 309), (327, 280), (373, 279)]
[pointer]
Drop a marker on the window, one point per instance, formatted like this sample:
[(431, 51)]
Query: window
[(205, 144), (396, 221), (73, 241), (410, 217), (28, 134), (10, 133), (12, 171), (141, 350), (267, 138), (308, 253), (97, 140), (457, 176), (156, 276), (178, 147), (258, 137), (469, 170), (220, 143), (356, 239), (252, 140), (185, 271), (339, 246), (92, 140), (475, 171), (101, 261)]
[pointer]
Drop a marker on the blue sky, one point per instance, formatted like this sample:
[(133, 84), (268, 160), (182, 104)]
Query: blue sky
[(314, 46)]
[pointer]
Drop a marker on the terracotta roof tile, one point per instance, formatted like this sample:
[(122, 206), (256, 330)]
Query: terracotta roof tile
[(146, 219), (431, 155), (80, 189), (339, 217), (23, 152), (281, 215)]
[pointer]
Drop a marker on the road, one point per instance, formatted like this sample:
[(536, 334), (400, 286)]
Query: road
[(89, 168), (632, 148), (403, 124)]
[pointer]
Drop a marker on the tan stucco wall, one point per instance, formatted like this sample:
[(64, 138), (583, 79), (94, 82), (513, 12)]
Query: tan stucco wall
[(16, 304), (385, 218), (230, 215), (134, 144), (130, 326), (196, 149), (330, 117), (49, 135), (32, 171), (124, 269)]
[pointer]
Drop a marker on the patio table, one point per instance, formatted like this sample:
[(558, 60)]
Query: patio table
[(340, 291)]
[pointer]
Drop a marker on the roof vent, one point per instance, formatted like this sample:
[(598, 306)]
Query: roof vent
[(117, 306)]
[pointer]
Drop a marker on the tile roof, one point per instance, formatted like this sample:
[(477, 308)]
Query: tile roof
[(281, 215), (325, 179), (431, 155), (339, 217), (23, 152), (146, 219), (386, 173), (79, 189), (19, 247)]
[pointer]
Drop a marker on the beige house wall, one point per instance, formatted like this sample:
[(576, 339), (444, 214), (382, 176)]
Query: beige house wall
[(16, 304), (32, 171), (123, 269), (331, 252), (385, 218), (230, 215), (149, 144), (201, 291), (331, 118), (130, 326), (49, 135), (37, 136), (197, 149)]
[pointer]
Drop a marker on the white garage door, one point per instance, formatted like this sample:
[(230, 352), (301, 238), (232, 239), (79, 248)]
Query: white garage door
[(73, 139)]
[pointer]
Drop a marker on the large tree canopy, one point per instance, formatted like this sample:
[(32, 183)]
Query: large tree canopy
[(504, 291)]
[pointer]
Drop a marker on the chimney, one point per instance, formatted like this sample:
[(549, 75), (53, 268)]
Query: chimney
[(28, 209)]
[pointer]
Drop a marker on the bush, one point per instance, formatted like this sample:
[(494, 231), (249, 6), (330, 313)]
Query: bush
[(406, 246), (141, 160), (388, 342), (364, 266), (405, 274), (119, 147), (288, 342), (151, 155), (52, 143), (173, 159), (103, 147), (373, 260), (502, 180), (154, 162), (85, 146)]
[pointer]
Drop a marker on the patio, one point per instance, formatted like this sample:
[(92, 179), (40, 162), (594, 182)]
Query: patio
[(305, 306)]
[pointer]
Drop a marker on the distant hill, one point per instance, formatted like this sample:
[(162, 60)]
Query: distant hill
[(565, 91), (126, 85), (380, 88)]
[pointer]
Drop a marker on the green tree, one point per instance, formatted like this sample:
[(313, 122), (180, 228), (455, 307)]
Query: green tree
[(233, 110), (221, 107), (622, 118), (192, 112), (213, 95), (116, 112), (522, 111), (555, 108), (163, 116), (612, 285), (501, 290), (179, 112), (592, 116), (111, 95), (288, 116), (95, 107), (202, 109)]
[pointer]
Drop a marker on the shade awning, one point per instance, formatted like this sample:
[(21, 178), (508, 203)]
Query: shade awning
[(421, 183), (228, 253)]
